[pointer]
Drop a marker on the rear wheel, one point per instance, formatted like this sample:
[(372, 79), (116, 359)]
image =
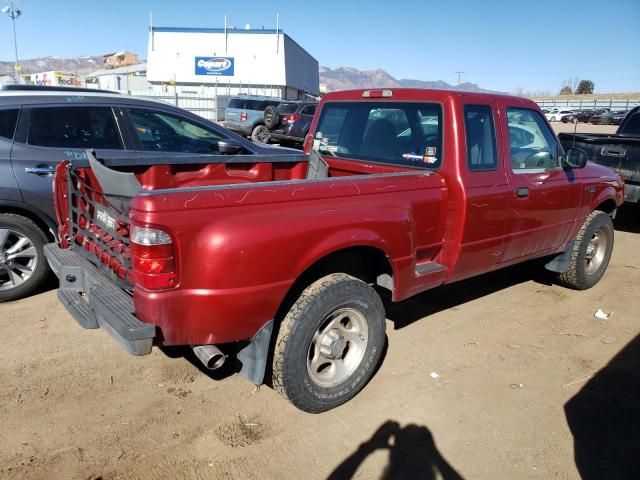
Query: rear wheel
[(260, 134), (329, 343), (23, 267), (591, 252)]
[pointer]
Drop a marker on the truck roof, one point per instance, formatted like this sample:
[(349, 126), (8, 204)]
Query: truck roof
[(408, 94)]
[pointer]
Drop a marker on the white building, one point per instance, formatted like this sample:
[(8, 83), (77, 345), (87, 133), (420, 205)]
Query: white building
[(131, 79), (228, 61)]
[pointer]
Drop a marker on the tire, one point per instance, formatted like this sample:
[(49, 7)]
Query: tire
[(271, 117), (591, 252), (260, 134), (315, 367), (553, 119), (23, 267)]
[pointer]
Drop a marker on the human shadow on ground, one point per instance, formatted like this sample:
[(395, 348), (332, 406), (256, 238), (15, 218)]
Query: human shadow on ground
[(604, 418), (412, 455), (455, 294)]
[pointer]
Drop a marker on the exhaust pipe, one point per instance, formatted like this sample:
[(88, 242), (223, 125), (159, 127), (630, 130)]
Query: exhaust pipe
[(210, 356)]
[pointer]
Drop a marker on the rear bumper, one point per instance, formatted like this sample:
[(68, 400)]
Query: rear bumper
[(631, 193), (95, 301)]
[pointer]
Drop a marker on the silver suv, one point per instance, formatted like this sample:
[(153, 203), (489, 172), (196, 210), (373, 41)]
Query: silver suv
[(39, 127)]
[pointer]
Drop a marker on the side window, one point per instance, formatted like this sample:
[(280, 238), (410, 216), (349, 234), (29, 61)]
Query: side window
[(8, 121), (532, 144), (309, 110), (162, 132), (390, 132), (481, 138), (74, 127)]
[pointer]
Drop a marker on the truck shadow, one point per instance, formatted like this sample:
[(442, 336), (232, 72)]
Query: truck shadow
[(412, 455), (604, 418), (628, 218), (450, 296)]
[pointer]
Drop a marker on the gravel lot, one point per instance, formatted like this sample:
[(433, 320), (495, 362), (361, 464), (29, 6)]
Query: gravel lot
[(474, 384)]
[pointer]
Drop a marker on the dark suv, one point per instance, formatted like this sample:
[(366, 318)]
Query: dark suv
[(289, 122), (41, 127)]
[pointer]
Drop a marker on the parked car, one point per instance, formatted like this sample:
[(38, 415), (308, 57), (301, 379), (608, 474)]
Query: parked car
[(289, 122), (245, 116), (556, 115), (619, 116), (603, 117), (584, 116), (568, 117), (620, 151), (39, 126), (274, 261)]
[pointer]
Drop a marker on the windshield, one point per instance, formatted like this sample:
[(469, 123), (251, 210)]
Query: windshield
[(391, 132), (287, 107)]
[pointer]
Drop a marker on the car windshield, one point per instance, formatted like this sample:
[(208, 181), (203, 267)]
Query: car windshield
[(287, 107)]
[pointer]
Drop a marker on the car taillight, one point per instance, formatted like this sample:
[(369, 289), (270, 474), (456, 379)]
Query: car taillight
[(291, 118), (152, 258), (243, 117)]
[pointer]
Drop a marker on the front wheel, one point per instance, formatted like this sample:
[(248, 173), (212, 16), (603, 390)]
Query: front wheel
[(260, 134), (591, 252), (23, 267), (329, 343)]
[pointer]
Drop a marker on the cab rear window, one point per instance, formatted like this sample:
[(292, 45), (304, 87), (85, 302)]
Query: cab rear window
[(400, 133)]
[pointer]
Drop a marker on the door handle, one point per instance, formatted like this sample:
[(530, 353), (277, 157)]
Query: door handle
[(522, 192), (42, 171)]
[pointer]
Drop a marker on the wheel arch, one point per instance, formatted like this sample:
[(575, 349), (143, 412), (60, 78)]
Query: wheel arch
[(41, 219)]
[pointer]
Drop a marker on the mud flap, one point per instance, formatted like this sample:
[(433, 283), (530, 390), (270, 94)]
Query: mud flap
[(253, 357), (561, 262)]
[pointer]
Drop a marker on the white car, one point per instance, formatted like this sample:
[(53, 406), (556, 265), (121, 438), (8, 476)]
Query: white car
[(556, 114)]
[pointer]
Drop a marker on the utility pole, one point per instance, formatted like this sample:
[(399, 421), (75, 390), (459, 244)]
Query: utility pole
[(13, 14), (459, 76)]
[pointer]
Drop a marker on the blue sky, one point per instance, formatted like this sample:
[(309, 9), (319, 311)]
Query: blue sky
[(504, 45)]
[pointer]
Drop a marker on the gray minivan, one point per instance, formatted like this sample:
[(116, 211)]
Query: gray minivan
[(245, 116), (40, 127)]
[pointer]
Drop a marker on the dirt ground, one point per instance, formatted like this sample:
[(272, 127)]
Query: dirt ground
[(475, 384)]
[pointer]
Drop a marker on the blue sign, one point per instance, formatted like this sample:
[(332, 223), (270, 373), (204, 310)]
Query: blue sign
[(220, 66)]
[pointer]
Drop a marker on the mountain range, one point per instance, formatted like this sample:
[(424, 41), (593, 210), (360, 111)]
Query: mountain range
[(341, 78), (344, 78)]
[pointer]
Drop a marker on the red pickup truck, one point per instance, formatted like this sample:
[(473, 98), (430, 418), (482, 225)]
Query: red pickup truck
[(278, 261)]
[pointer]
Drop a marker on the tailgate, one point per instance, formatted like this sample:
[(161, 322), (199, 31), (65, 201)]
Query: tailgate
[(98, 226)]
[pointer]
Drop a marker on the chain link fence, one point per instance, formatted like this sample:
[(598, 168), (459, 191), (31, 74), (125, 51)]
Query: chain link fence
[(211, 108)]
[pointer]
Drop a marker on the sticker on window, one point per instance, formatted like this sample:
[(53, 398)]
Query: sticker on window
[(431, 152), (412, 157)]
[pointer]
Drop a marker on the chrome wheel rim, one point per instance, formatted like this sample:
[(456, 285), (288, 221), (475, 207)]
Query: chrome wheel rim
[(18, 259), (337, 347), (596, 250)]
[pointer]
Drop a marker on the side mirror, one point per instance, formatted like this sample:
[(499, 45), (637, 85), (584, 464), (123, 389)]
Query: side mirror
[(575, 158), (230, 146)]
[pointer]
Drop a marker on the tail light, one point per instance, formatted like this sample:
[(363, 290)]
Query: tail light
[(152, 258), (290, 118), (243, 117)]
